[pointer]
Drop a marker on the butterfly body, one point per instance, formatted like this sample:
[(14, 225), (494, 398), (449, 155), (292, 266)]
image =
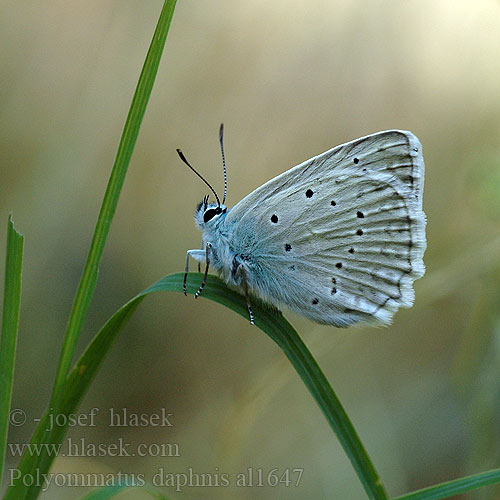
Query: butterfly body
[(339, 238)]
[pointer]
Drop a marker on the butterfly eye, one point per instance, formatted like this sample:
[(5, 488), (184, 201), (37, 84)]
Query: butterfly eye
[(211, 213), (208, 215)]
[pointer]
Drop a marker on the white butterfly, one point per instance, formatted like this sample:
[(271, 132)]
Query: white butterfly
[(339, 238)]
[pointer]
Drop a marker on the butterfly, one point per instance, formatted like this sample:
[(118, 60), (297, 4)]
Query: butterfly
[(338, 239)]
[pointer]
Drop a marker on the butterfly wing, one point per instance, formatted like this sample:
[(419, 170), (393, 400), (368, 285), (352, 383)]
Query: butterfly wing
[(339, 238)]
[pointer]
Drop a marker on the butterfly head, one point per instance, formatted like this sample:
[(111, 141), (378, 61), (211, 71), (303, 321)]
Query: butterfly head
[(208, 213)]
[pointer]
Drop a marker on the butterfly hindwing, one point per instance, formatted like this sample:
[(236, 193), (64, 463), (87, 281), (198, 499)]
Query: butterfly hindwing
[(339, 238)]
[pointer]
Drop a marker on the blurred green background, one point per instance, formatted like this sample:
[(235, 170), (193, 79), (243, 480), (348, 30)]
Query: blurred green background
[(289, 79)]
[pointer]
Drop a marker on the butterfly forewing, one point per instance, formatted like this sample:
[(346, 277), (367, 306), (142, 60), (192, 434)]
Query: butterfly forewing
[(339, 238)]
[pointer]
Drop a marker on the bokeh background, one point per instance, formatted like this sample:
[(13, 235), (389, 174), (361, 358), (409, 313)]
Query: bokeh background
[(289, 79)]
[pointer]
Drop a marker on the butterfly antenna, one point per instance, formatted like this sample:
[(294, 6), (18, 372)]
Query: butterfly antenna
[(183, 158), (221, 140)]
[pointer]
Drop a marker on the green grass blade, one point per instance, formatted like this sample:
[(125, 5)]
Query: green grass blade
[(271, 322), (110, 201), (10, 323), (111, 491), (104, 493), (455, 487)]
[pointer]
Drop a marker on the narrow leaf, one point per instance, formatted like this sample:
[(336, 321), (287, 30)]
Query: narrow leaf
[(104, 493), (455, 487), (126, 147), (269, 320), (10, 323), (111, 491)]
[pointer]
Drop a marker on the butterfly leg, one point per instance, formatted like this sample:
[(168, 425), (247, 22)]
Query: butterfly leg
[(199, 263), (244, 284), (199, 255), (207, 264)]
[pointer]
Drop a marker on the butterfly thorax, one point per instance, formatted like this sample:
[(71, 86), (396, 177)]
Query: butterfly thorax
[(217, 235)]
